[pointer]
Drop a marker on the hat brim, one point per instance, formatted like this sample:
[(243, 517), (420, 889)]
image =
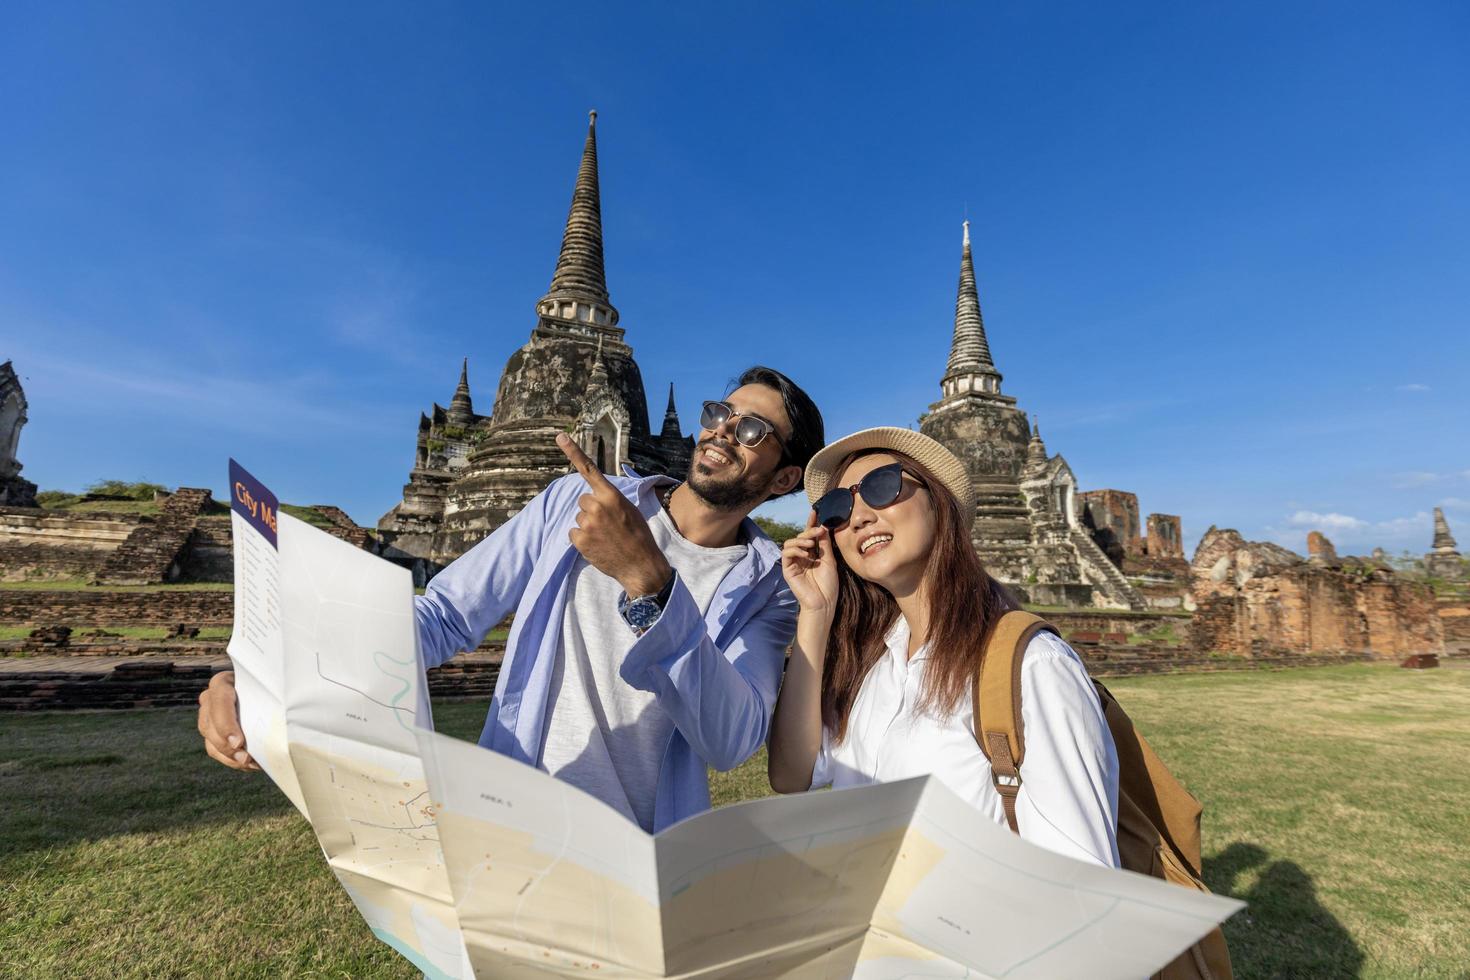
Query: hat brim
[(823, 467)]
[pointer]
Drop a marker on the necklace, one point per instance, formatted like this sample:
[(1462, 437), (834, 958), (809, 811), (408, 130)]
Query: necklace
[(664, 498)]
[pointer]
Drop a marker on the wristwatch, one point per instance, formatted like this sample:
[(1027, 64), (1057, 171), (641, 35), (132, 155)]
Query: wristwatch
[(643, 611)]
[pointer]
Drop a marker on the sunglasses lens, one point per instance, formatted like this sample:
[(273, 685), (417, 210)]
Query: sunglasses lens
[(714, 415), (749, 432), (834, 507), (881, 487)]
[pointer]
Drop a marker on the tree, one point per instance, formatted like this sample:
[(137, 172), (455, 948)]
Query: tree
[(779, 531)]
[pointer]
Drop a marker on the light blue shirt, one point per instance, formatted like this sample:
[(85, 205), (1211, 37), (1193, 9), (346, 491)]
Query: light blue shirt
[(715, 676)]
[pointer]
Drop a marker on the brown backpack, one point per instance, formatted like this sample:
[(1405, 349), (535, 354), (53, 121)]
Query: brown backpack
[(1158, 819)]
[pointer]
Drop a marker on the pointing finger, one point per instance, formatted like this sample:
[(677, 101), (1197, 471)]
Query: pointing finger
[(582, 464)]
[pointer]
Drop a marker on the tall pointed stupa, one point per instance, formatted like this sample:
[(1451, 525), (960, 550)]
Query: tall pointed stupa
[(1443, 560), (985, 429), (578, 292), (548, 377), (677, 448), (461, 407), (1026, 526), (575, 374), (970, 367)]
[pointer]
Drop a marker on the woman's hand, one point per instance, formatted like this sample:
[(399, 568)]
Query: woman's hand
[(810, 568)]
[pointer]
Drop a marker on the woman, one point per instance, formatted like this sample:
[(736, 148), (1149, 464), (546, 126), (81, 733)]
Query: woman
[(894, 605)]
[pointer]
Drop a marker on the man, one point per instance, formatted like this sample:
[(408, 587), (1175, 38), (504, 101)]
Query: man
[(651, 616)]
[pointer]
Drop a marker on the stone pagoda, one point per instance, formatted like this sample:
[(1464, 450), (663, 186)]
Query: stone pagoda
[(1026, 527), (15, 490), (1443, 561), (576, 374)]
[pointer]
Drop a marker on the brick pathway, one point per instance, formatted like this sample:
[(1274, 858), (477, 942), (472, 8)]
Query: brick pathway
[(96, 665), (105, 665)]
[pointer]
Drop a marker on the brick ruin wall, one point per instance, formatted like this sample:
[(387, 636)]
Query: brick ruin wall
[(160, 683), (1165, 539), (1165, 583), (42, 545), (1114, 518), (208, 556), (1258, 599), (1454, 617), (193, 607), (1113, 623), (36, 544)]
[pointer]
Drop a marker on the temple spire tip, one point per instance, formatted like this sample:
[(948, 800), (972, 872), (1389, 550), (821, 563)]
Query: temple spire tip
[(578, 290), (461, 407), (970, 351)]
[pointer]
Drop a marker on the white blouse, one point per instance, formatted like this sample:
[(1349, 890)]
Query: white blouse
[(1068, 801)]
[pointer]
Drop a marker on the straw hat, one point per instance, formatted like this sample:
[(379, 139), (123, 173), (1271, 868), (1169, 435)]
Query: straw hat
[(940, 461)]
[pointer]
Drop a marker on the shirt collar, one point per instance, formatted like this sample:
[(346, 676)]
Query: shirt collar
[(897, 642)]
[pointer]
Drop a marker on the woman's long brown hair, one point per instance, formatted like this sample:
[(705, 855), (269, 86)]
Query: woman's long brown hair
[(961, 612)]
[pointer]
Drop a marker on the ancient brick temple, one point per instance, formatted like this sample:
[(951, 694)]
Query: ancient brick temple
[(1150, 553), (1027, 526), (472, 472), (15, 491), (1442, 561)]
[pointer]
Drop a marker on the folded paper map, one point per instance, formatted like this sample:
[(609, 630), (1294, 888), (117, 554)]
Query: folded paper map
[(471, 864)]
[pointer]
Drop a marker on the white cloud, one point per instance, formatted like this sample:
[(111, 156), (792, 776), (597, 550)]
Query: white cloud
[(1400, 527), (1353, 535), (1411, 479), (1413, 387), (1414, 479), (1325, 522)]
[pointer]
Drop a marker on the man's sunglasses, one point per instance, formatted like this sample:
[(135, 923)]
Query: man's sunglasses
[(880, 488), (750, 430)]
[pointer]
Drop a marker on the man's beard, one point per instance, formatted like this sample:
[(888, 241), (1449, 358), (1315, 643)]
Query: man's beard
[(733, 494)]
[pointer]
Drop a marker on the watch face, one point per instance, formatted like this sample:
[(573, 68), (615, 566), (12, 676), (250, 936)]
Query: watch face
[(642, 613)]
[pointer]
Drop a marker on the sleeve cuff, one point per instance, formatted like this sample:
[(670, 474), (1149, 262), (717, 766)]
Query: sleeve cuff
[(665, 639)]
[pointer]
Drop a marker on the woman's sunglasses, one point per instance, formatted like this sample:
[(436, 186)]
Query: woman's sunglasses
[(880, 488), (750, 430)]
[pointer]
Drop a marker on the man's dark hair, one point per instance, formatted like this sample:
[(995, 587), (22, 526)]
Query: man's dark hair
[(807, 432)]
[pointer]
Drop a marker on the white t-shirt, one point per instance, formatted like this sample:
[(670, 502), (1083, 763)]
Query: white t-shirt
[(603, 735), (1068, 800)]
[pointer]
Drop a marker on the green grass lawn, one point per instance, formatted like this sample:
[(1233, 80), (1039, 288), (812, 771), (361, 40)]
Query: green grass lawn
[(1335, 804), (82, 585)]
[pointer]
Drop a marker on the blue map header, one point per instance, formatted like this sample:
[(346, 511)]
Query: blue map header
[(251, 500)]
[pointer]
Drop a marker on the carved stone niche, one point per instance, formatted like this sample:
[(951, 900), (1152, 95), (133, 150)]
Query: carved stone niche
[(15, 491), (12, 417), (602, 431)]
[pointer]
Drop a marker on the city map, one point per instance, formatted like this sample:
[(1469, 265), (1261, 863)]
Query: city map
[(472, 864)]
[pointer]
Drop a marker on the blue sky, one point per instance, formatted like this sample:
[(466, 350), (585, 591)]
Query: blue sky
[(1222, 250)]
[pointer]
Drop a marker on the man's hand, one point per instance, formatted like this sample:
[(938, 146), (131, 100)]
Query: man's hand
[(611, 534), (219, 723)]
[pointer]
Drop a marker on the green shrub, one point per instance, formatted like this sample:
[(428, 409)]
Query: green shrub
[(56, 498), (132, 491)]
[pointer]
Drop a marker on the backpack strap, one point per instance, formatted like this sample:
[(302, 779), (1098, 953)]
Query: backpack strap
[(997, 696)]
